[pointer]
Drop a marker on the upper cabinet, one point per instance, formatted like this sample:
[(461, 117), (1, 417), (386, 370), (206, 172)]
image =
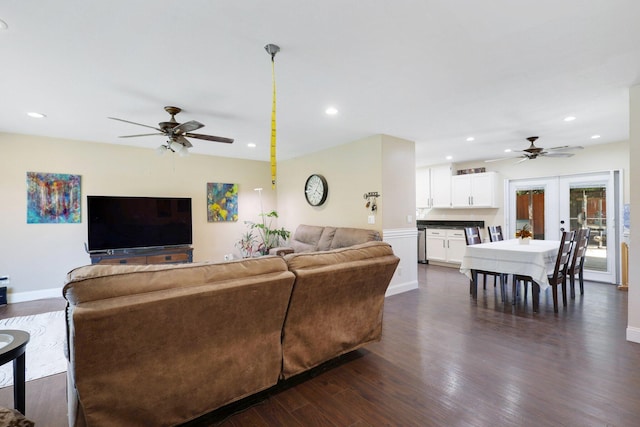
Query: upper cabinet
[(433, 187), (478, 190)]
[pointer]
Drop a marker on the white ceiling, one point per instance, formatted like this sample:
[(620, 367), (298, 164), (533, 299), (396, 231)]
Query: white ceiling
[(431, 71)]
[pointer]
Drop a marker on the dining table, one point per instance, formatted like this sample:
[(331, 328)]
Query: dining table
[(533, 258)]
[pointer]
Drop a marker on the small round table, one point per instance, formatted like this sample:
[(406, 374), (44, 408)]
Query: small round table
[(13, 345)]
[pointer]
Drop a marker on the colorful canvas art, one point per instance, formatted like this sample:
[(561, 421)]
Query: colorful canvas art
[(53, 198), (222, 202)]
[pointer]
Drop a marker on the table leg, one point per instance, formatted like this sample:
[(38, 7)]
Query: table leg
[(474, 284), (18, 383), (535, 294)]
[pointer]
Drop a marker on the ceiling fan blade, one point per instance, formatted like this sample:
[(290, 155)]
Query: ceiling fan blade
[(209, 137), (568, 147), (499, 159), (524, 159), (557, 154), (134, 123), (187, 127), (142, 134)]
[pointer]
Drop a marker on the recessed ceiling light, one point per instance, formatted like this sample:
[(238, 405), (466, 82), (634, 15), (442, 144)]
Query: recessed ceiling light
[(471, 139), (449, 157), (595, 136), (332, 111), (36, 115), (3, 25), (569, 119), (508, 150), (251, 145)]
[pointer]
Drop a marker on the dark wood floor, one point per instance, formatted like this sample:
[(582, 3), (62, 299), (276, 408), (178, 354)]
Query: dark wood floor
[(445, 360)]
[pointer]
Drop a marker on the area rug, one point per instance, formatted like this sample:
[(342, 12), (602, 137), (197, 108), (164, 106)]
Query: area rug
[(45, 350)]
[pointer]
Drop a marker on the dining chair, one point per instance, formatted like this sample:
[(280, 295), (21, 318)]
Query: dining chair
[(578, 256), (495, 233), (557, 277), (472, 237)]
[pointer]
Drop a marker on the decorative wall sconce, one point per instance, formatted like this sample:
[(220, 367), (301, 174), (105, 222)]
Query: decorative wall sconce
[(371, 200)]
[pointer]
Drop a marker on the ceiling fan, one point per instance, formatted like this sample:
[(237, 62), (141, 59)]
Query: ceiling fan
[(534, 152), (176, 133)]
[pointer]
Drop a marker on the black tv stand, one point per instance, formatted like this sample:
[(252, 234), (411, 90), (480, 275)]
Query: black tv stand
[(159, 255)]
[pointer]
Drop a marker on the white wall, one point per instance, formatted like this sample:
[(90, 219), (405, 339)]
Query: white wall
[(350, 170), (378, 163), (38, 256)]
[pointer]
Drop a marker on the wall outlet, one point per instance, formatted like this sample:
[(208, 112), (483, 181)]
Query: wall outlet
[(409, 219), (372, 219)]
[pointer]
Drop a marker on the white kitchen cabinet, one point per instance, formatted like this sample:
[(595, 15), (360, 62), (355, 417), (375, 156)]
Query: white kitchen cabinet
[(433, 187), (445, 245), (478, 190), (423, 188)]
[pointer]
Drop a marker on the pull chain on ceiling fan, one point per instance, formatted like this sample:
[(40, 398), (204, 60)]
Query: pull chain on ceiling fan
[(176, 133)]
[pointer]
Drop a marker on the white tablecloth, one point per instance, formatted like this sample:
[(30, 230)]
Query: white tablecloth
[(536, 259)]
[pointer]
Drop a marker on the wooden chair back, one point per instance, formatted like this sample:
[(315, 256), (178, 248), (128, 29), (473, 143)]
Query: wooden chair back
[(495, 233), (472, 235), (579, 250), (563, 259)]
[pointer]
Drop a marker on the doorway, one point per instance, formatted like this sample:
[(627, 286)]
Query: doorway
[(555, 204)]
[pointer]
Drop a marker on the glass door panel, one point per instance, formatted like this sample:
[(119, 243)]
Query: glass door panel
[(555, 204), (530, 210), (588, 209)]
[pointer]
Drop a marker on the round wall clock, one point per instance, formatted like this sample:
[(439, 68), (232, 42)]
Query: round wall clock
[(316, 190)]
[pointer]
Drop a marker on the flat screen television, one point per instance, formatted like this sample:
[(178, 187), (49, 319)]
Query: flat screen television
[(116, 222)]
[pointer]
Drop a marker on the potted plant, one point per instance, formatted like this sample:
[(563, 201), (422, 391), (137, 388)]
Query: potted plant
[(247, 244), (267, 236), (524, 234)]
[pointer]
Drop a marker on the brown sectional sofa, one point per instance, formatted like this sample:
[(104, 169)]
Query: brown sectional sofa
[(163, 344), (313, 238)]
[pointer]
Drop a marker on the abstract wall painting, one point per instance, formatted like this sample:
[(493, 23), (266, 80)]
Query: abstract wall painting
[(222, 202), (53, 198)]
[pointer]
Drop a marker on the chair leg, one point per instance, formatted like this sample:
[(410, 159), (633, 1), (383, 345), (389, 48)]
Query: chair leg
[(572, 282), (484, 282), (554, 292), (564, 291), (581, 280)]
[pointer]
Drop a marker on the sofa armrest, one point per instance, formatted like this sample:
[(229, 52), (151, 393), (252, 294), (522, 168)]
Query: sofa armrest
[(280, 251)]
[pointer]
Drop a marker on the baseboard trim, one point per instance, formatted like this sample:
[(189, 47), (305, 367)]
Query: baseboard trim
[(633, 334), (401, 287), (33, 295)]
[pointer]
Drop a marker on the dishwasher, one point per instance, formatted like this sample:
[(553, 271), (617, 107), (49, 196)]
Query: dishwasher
[(422, 245)]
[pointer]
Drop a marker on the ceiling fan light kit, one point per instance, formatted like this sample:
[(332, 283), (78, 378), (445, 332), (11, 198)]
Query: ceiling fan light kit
[(176, 133)]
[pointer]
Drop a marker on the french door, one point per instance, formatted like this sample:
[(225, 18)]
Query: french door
[(555, 204)]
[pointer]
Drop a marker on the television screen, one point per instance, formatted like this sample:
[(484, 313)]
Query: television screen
[(116, 222)]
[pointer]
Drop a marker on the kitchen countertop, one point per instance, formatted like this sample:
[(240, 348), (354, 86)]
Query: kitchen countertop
[(424, 223)]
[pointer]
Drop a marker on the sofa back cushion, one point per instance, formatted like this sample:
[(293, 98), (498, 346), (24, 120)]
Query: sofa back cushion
[(306, 238), (160, 345), (345, 236), (326, 238), (336, 304)]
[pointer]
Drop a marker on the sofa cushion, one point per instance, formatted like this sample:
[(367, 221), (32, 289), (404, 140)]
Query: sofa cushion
[(327, 237), (161, 345), (345, 236), (306, 238), (337, 303)]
